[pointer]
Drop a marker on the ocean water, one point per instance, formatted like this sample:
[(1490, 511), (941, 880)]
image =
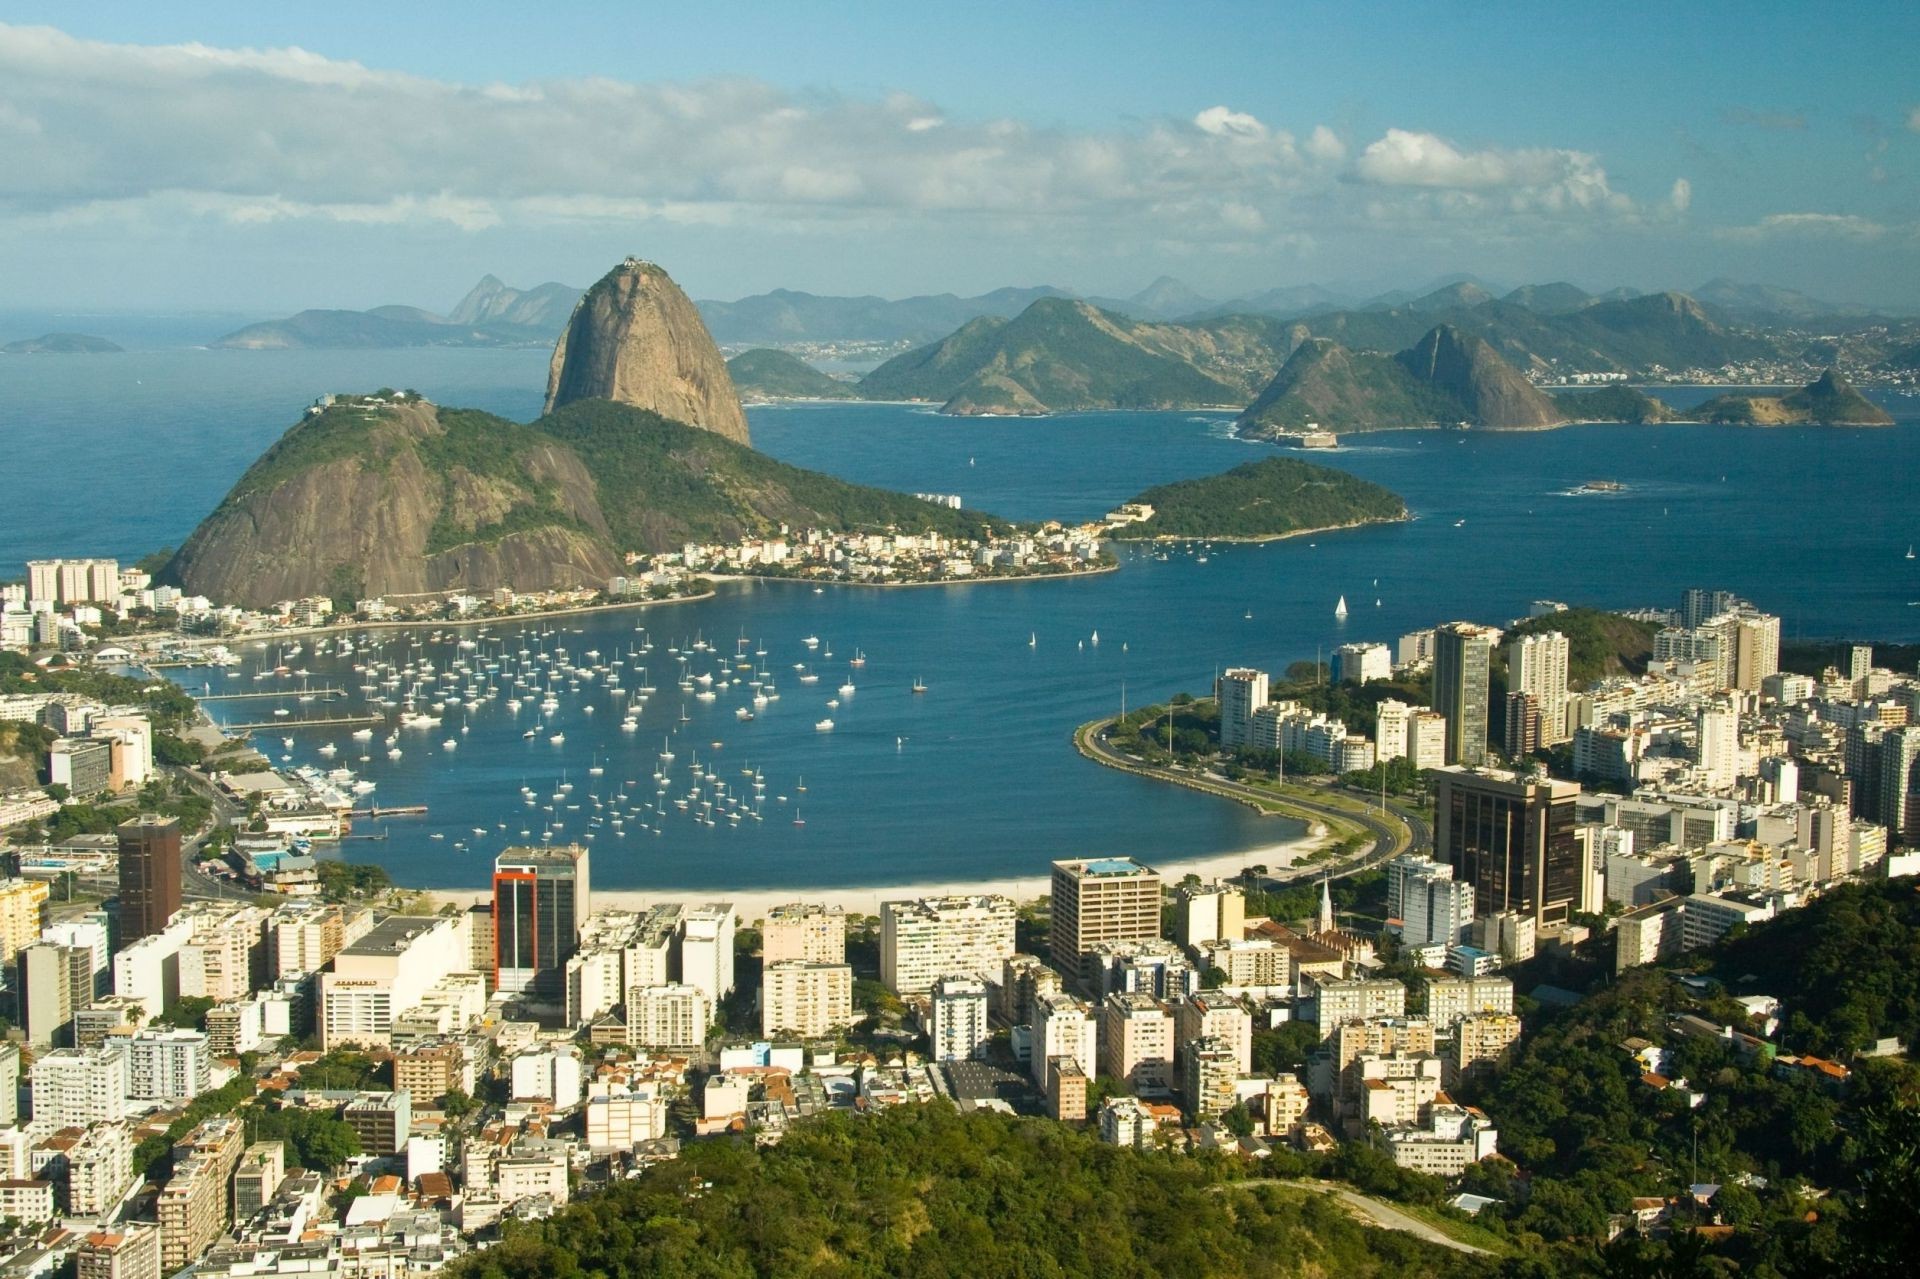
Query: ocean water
[(975, 777)]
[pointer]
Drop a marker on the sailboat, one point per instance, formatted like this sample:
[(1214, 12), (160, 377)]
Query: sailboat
[(1033, 639), (918, 685), (1909, 550), (1340, 609)]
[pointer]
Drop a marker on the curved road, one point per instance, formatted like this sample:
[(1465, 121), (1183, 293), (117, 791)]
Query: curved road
[(1390, 839)]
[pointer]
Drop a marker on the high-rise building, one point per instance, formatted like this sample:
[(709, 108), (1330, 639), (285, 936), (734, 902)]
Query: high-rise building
[(1063, 1027), (130, 1250), (1859, 664), (1697, 605), (1437, 909), (1718, 730), (957, 1026), (805, 999), (1537, 666), (1214, 1015), (706, 949), (1100, 899), (1360, 663), (670, 1016), (1462, 662), (23, 913), (1136, 1043), (962, 936), (1524, 725), (1754, 640), (815, 934), (149, 875), (1512, 838), (44, 975), (1900, 784), (1208, 912), (1392, 721), (541, 896), (168, 1065), (1241, 691), (9, 1085)]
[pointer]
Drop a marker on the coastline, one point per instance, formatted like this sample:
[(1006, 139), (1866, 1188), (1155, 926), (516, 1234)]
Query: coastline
[(753, 903), (956, 581), (1403, 518)]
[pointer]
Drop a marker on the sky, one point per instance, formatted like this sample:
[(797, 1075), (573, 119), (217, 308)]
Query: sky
[(264, 158)]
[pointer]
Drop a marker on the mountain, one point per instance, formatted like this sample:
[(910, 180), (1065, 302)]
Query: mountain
[(1550, 299), (635, 338), (1452, 297), (1167, 299), (785, 316), (1612, 404), (492, 314), (1447, 376), (1273, 497), (62, 344), (492, 303), (386, 494), (1765, 304), (1827, 401), (1063, 355), (777, 375)]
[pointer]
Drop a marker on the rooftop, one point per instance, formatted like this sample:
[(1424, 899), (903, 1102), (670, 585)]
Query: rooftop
[(392, 935)]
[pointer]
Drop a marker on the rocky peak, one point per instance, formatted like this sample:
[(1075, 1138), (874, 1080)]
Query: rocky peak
[(636, 339)]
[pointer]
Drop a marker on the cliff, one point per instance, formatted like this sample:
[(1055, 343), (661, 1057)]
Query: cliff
[(636, 339)]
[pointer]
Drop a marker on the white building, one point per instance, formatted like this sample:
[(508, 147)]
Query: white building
[(962, 936), (548, 1074), (1064, 1027), (73, 1088), (1537, 666), (670, 1016), (706, 949), (1361, 663), (386, 974), (805, 999), (957, 1019), (1241, 691), (168, 1065)]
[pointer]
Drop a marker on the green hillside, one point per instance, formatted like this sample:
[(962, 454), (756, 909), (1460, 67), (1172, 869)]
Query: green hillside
[(763, 373), (923, 1191), (1827, 401), (1273, 497), (1612, 404), (1598, 643)]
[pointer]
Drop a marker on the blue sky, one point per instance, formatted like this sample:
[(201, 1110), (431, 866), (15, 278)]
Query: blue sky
[(185, 155)]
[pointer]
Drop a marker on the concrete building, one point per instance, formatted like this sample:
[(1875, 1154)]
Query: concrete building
[(1208, 1079), (1066, 1084), (1435, 908), (1208, 912), (1212, 1015), (1462, 663), (1450, 1000), (99, 1170), (1512, 838), (44, 983), (957, 1025), (1392, 729), (195, 1207), (624, 1120), (1478, 1042), (667, 1017), (541, 897), (149, 875), (256, 1178), (807, 1000), (1361, 663), (1064, 1027), (1427, 739), (168, 1065), (551, 1074), (1101, 899), (381, 1120), (434, 1068), (810, 933), (386, 974), (23, 913), (9, 1085), (1357, 999), (933, 937), (73, 1088), (1537, 666), (1136, 1044), (1241, 691), (129, 1250), (706, 949)]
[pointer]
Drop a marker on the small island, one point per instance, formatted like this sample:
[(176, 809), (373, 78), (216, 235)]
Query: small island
[(62, 344), (1828, 401), (1257, 501), (766, 374)]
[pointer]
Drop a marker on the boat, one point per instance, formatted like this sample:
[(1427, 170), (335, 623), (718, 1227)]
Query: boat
[(1033, 639), (529, 734), (823, 726), (1340, 609), (919, 686), (1909, 550), (558, 738)]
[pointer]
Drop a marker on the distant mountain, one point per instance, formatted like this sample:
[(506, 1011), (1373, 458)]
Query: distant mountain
[(765, 374), (1168, 299), (1445, 377), (1060, 355), (1452, 297), (1827, 401), (492, 303), (784, 316), (491, 314), (62, 344), (1550, 299), (1765, 304)]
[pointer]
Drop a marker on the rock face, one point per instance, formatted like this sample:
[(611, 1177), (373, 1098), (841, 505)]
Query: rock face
[(636, 339), (1491, 391), (1829, 400)]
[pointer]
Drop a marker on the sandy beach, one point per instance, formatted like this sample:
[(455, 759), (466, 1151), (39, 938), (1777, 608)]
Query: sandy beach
[(752, 904)]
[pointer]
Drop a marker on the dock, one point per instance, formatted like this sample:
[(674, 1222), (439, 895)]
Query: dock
[(336, 721), (329, 693), (402, 810)]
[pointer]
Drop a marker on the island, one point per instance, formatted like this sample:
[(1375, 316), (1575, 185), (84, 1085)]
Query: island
[(1273, 498), (62, 344), (766, 374)]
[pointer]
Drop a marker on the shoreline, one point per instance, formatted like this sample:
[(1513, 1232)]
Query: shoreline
[(752, 904), (957, 581), (1406, 518)]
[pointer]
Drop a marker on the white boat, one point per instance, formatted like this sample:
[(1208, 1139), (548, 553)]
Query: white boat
[(1340, 609), (811, 641), (823, 726), (558, 738), (846, 689), (449, 744)]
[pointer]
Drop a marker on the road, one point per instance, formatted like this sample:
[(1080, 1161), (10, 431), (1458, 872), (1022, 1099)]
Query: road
[(1390, 838), (194, 882)]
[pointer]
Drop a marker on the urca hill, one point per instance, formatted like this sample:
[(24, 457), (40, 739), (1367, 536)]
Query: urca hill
[(642, 449)]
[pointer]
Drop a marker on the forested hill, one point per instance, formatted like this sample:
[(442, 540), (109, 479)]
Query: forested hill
[(1274, 497), (925, 1191)]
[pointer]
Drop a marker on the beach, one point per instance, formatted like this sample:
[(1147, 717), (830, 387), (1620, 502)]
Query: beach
[(752, 904)]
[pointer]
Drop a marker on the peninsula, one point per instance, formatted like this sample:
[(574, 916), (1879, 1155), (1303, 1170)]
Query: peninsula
[(1829, 400), (62, 344)]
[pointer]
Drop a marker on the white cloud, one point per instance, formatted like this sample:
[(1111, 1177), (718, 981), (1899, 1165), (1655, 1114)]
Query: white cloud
[(1826, 226), (1324, 144), (1223, 123), (1535, 179), (1681, 198)]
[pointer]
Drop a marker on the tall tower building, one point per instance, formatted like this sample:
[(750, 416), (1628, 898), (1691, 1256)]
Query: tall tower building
[(149, 875), (1537, 666), (1900, 784), (1241, 692), (1462, 659), (1719, 746), (541, 896), (1512, 838), (1102, 899), (1697, 605)]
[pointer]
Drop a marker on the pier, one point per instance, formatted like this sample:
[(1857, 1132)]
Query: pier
[(328, 693), (402, 810), (335, 721)]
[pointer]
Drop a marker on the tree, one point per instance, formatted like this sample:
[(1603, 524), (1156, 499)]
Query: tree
[(457, 1104)]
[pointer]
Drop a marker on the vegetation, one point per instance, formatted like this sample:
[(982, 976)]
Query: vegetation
[(923, 1191), (1828, 401), (1612, 404), (165, 703), (219, 1101), (1326, 385), (779, 375), (1811, 657), (1273, 497), (346, 881), (316, 1139), (1598, 643)]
